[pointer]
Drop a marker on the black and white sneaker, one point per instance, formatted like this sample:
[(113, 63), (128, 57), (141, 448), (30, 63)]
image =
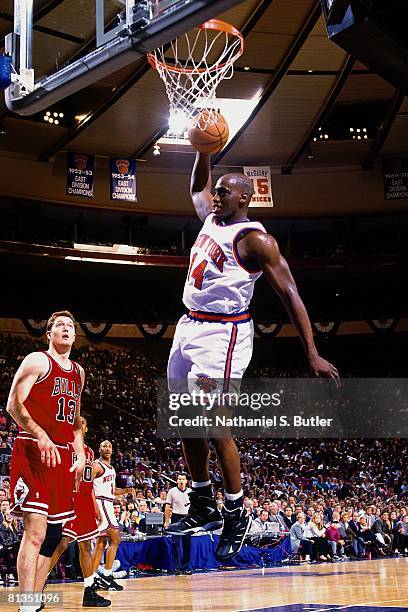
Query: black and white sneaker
[(107, 583), (203, 515), (91, 598), (237, 524)]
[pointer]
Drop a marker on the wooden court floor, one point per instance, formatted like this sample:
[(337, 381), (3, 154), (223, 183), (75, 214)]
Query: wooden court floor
[(365, 586)]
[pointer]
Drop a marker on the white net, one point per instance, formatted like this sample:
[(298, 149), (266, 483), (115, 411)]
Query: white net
[(192, 67)]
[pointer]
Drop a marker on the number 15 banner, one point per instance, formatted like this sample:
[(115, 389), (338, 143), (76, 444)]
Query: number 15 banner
[(261, 176)]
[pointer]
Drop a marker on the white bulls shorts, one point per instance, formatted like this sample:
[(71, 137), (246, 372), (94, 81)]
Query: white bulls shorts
[(211, 346), (109, 519)]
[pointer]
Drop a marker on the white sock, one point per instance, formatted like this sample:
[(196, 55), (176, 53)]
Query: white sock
[(234, 496), (307, 557), (198, 485), (107, 572), (89, 581)]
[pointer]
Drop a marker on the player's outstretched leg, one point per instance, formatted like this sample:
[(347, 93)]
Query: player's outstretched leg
[(237, 522), (203, 514)]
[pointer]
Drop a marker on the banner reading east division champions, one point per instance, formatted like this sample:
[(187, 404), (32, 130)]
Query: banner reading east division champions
[(123, 179), (395, 178), (80, 175)]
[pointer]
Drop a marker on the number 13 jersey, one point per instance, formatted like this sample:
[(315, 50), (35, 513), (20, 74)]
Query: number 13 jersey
[(217, 281), (53, 401)]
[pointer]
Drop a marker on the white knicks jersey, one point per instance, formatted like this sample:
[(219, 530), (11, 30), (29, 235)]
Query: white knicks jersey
[(217, 281), (105, 484)]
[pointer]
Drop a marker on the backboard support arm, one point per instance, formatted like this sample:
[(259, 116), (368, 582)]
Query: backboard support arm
[(140, 29)]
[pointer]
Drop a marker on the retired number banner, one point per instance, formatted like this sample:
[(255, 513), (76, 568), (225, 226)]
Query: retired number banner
[(123, 179), (80, 175), (261, 176)]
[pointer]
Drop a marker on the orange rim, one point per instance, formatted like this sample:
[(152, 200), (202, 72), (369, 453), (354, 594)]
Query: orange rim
[(211, 24)]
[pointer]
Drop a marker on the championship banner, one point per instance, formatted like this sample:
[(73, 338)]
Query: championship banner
[(123, 179), (325, 328), (36, 327), (261, 176), (95, 329), (152, 330), (267, 329), (395, 172), (80, 175), (383, 326)]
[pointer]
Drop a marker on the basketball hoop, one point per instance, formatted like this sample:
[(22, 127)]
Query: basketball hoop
[(193, 65)]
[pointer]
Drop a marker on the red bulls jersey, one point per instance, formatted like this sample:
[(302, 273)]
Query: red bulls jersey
[(86, 485), (53, 401), (217, 280)]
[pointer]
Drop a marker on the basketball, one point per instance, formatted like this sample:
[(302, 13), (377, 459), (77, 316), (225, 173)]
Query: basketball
[(209, 136)]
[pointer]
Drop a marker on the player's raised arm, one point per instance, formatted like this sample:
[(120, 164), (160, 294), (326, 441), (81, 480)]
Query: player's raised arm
[(263, 249), (200, 187), (31, 369)]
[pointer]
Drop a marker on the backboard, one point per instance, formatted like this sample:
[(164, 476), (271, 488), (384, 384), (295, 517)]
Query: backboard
[(104, 36)]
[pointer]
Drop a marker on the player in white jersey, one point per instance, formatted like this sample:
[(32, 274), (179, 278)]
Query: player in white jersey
[(214, 339), (105, 489)]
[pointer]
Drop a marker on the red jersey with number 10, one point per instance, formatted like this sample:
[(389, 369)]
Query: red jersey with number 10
[(53, 401), (86, 484)]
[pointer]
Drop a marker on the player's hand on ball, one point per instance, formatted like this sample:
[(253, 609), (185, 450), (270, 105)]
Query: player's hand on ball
[(321, 368), (49, 452), (78, 468)]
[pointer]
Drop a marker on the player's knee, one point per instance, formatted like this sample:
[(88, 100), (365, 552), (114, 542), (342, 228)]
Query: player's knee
[(36, 536), (85, 546), (115, 537), (52, 539)]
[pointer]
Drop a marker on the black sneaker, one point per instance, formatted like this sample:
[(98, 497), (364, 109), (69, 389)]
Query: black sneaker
[(203, 515), (107, 583), (91, 598), (237, 524)]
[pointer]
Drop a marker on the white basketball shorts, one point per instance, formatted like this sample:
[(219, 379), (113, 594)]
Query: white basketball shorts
[(109, 519), (210, 346)]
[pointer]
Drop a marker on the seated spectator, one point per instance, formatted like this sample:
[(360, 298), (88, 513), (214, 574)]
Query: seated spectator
[(378, 530), (160, 501), (367, 535), (402, 529), (315, 533), (297, 539), (286, 519), (357, 541), (4, 507), (336, 544), (10, 537), (261, 523)]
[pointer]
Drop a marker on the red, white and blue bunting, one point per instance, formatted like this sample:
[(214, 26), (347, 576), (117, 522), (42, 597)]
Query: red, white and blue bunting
[(267, 329), (383, 326), (152, 330), (95, 329), (36, 327), (325, 328)]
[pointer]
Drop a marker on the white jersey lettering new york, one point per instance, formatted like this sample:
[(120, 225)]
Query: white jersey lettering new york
[(217, 281), (104, 485)]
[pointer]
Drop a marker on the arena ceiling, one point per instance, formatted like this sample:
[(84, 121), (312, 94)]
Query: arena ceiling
[(301, 80)]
